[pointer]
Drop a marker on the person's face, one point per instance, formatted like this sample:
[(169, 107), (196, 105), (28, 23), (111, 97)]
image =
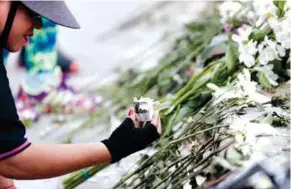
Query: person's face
[(22, 28)]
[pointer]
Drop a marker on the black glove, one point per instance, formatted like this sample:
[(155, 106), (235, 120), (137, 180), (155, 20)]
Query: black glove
[(127, 139)]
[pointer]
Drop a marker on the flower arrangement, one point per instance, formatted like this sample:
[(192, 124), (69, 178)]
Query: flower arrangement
[(207, 90)]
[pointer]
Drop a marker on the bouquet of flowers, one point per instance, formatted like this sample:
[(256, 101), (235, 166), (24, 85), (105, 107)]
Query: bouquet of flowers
[(221, 66)]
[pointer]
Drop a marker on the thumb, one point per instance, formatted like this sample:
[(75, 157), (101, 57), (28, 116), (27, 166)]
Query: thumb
[(131, 114)]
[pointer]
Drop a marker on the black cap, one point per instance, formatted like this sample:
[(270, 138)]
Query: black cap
[(56, 11)]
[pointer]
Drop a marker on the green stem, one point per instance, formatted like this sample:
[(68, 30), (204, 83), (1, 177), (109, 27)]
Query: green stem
[(180, 169), (194, 134)]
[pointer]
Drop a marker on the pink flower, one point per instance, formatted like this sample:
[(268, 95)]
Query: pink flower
[(227, 27)]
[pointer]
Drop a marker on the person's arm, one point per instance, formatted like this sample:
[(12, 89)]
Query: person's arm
[(50, 160)]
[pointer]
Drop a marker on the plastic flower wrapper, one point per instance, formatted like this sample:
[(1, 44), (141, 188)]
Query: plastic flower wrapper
[(144, 108)]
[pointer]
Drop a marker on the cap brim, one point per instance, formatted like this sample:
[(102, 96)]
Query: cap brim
[(56, 11)]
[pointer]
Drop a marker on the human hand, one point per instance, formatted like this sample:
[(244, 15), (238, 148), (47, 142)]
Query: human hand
[(156, 121), (127, 139)]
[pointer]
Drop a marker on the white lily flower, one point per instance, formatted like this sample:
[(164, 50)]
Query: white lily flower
[(242, 88), (275, 25), (266, 55), (223, 93), (247, 59), (281, 50), (265, 9), (245, 83), (247, 52), (247, 49), (282, 30), (248, 87), (250, 47), (269, 50), (268, 71), (284, 35), (275, 46)]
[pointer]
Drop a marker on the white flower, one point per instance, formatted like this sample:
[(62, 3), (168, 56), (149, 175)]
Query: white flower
[(266, 55), (228, 9), (247, 59), (268, 71), (245, 83), (250, 47), (281, 28), (247, 52), (265, 9), (243, 34), (281, 50), (274, 24), (241, 88), (247, 49), (269, 50), (287, 5), (223, 93)]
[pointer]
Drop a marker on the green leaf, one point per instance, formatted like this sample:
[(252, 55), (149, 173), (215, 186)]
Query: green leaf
[(280, 5), (231, 57), (259, 34), (210, 51), (264, 81), (194, 27)]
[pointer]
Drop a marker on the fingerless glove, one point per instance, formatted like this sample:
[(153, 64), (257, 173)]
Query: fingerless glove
[(127, 139)]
